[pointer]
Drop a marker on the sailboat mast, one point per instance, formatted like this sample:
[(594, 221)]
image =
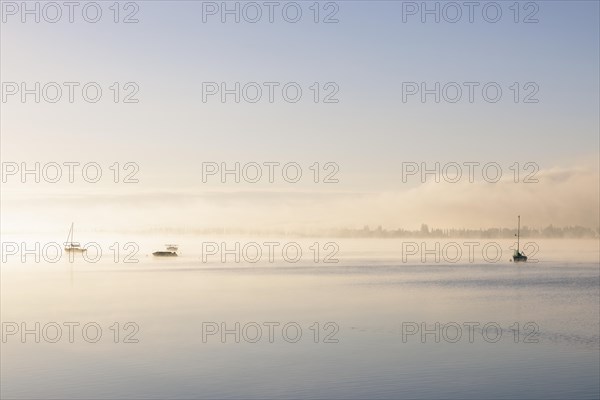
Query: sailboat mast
[(70, 237), (518, 232)]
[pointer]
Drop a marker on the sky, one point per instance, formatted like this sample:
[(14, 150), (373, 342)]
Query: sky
[(368, 57)]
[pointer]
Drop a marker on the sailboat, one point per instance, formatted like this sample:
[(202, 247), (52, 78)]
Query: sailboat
[(71, 246), (518, 256)]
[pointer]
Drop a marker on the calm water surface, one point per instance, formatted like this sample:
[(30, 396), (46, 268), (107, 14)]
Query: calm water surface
[(350, 314)]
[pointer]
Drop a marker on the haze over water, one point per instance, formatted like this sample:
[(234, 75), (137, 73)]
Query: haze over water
[(139, 123)]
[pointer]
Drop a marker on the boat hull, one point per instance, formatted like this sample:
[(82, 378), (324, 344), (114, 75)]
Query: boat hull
[(519, 258), (75, 250), (164, 254)]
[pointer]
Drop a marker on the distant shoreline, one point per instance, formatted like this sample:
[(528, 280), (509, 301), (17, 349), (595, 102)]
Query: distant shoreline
[(549, 232)]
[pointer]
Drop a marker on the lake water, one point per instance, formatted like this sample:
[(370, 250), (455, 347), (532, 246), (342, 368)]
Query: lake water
[(327, 330)]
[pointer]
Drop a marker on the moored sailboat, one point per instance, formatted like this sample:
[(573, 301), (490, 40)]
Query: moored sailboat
[(518, 256), (71, 246)]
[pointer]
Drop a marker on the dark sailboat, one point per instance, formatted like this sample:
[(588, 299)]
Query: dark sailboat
[(518, 256)]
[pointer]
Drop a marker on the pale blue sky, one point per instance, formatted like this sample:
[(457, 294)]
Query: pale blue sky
[(369, 53)]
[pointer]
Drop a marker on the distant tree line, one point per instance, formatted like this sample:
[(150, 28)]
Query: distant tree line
[(551, 231)]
